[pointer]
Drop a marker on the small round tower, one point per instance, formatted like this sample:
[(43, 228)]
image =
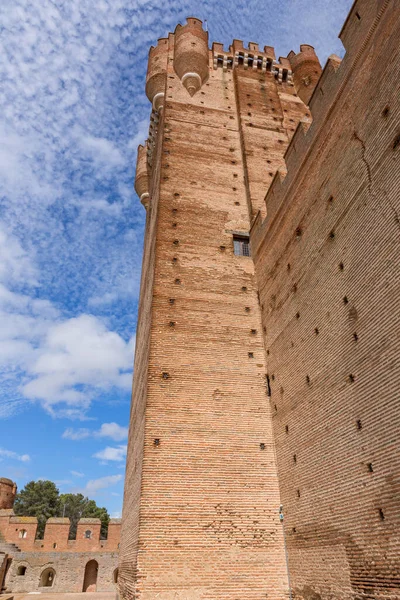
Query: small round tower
[(142, 178), (156, 78), (306, 71), (191, 54), (8, 490)]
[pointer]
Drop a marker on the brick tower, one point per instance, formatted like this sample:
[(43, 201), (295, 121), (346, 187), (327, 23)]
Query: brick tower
[(8, 490), (201, 507)]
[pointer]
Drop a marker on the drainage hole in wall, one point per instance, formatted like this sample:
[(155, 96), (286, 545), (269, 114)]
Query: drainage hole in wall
[(316, 331), (262, 446), (370, 467)]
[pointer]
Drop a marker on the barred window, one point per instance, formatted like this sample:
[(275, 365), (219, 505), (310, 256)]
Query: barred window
[(241, 245)]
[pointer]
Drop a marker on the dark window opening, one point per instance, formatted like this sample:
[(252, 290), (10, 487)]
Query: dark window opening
[(220, 61), (88, 534), (241, 245), (240, 59), (21, 571)]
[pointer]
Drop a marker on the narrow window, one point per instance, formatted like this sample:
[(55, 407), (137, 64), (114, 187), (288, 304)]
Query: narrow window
[(241, 245), (88, 534), (21, 571)]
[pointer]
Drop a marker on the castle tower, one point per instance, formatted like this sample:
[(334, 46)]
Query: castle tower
[(8, 491), (306, 71), (201, 508), (191, 55)]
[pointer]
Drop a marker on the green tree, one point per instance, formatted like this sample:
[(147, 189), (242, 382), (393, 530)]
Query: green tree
[(38, 499), (42, 499), (77, 506)]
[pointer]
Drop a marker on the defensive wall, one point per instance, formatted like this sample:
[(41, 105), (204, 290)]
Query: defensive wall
[(55, 563), (327, 265)]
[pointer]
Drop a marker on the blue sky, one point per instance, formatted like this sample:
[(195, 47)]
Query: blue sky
[(73, 110)]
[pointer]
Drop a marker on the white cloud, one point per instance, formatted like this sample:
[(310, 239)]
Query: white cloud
[(13, 455), (78, 358), (112, 454), (112, 430), (94, 485)]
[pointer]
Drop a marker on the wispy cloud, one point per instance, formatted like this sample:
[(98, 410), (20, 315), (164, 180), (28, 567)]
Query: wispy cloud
[(94, 485), (14, 455), (112, 430), (77, 474), (109, 453)]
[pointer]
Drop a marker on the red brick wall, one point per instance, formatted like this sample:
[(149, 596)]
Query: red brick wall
[(56, 534), (201, 496), (327, 263)]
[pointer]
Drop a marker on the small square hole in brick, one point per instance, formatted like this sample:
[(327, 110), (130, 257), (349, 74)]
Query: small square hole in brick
[(251, 354), (262, 446)]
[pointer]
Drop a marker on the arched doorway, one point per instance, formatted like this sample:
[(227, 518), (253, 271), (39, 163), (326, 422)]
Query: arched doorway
[(47, 577), (90, 578)]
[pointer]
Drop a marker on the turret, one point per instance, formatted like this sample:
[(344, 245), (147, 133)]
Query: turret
[(306, 71), (8, 490), (141, 177), (156, 78), (191, 54)]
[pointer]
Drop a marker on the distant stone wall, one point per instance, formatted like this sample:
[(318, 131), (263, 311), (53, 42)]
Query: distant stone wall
[(69, 571), (21, 531)]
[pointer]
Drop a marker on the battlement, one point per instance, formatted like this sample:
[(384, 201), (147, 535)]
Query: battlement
[(331, 85), (21, 531), (251, 58)]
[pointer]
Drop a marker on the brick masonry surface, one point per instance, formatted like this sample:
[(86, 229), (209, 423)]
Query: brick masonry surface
[(252, 391), (327, 264), (69, 571), (201, 509)]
